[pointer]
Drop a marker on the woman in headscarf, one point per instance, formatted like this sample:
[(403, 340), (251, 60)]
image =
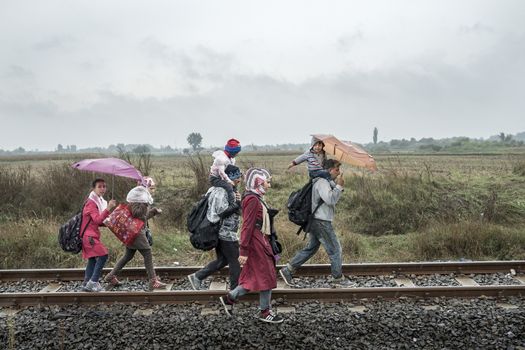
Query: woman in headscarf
[(140, 200), (255, 255), (94, 212)]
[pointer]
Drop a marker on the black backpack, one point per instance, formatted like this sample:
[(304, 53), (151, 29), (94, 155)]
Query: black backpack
[(69, 235), (300, 207), (204, 235)]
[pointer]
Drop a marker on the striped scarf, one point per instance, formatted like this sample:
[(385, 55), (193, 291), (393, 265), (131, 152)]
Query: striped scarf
[(255, 178)]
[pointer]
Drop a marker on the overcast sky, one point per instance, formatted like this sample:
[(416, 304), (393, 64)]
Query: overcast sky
[(93, 73)]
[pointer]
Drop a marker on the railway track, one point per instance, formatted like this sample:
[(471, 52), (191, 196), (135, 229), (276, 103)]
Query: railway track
[(403, 274)]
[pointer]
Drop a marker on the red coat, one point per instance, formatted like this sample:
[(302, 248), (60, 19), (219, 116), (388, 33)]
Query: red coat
[(258, 273), (91, 244)]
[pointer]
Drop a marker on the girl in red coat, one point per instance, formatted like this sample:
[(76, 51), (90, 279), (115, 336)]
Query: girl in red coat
[(93, 214), (255, 253)]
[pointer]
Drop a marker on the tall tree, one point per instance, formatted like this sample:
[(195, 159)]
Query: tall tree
[(375, 135), (195, 139)]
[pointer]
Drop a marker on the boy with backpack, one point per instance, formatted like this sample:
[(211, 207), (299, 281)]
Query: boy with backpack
[(221, 159), (325, 195), (315, 158)]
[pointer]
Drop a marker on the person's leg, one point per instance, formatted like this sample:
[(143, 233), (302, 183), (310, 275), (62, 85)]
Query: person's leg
[(128, 255), (238, 292), (89, 269), (154, 282), (307, 252), (265, 303), (231, 298), (331, 244), (265, 300), (230, 250), (213, 266), (301, 256), (148, 262), (101, 261)]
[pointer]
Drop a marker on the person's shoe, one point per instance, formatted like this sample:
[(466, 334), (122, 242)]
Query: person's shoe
[(270, 317), (287, 276), (84, 288), (93, 287), (155, 283), (342, 282), (227, 303), (194, 281), (113, 281)]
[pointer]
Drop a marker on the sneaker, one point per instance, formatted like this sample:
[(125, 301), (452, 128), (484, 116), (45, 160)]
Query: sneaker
[(113, 281), (342, 282), (270, 317), (155, 283), (195, 282), (287, 276), (227, 303), (93, 287)]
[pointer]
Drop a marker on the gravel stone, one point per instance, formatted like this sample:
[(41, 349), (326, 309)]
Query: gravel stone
[(391, 324), (495, 279), (435, 280), (22, 286)]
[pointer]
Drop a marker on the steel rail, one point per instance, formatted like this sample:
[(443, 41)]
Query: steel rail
[(365, 269), (290, 295)]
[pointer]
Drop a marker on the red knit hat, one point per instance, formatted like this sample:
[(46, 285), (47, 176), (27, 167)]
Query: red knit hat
[(233, 143)]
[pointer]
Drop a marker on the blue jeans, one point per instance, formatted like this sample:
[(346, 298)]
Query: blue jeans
[(320, 173), (94, 268), (321, 232), (265, 296)]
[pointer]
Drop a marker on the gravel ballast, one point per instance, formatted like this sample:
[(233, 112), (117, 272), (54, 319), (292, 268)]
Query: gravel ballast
[(399, 324)]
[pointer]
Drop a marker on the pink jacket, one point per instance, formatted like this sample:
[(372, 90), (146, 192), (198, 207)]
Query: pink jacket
[(91, 244)]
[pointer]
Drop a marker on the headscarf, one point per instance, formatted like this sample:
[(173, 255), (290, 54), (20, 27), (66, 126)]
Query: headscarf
[(101, 203), (148, 182), (139, 194), (255, 177)]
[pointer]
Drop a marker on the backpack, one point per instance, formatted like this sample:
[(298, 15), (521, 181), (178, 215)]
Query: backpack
[(69, 235), (300, 207), (204, 235)]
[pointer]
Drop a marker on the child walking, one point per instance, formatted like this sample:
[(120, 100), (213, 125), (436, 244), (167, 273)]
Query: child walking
[(315, 157), (221, 159)]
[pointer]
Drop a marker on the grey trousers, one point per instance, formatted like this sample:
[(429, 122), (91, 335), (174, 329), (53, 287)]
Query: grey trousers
[(130, 253)]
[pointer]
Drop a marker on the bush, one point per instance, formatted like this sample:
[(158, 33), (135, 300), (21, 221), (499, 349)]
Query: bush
[(471, 240)]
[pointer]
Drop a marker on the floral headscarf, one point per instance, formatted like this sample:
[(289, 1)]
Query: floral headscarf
[(255, 177)]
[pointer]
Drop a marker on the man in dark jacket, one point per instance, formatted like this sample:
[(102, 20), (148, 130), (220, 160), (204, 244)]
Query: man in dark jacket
[(227, 249)]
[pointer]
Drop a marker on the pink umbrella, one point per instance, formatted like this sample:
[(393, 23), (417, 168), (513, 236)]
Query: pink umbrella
[(113, 166)]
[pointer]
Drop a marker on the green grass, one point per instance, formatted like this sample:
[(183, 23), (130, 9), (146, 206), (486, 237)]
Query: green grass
[(417, 207)]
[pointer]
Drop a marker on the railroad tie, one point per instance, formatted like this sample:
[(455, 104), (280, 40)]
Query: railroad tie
[(404, 282), (466, 281), (218, 286), (51, 288)]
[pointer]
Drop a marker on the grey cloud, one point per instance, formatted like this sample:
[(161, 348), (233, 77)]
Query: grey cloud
[(476, 28), (347, 42), (56, 42), (15, 71)]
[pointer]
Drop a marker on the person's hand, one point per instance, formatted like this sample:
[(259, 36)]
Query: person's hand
[(340, 180), (291, 165), (242, 260), (237, 196), (112, 204)]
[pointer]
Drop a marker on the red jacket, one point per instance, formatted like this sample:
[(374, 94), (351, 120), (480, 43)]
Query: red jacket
[(258, 273), (91, 244)]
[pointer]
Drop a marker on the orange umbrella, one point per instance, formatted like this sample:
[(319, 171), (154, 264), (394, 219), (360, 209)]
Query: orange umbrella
[(347, 152)]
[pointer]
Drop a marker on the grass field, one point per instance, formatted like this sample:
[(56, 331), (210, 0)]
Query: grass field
[(416, 207)]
